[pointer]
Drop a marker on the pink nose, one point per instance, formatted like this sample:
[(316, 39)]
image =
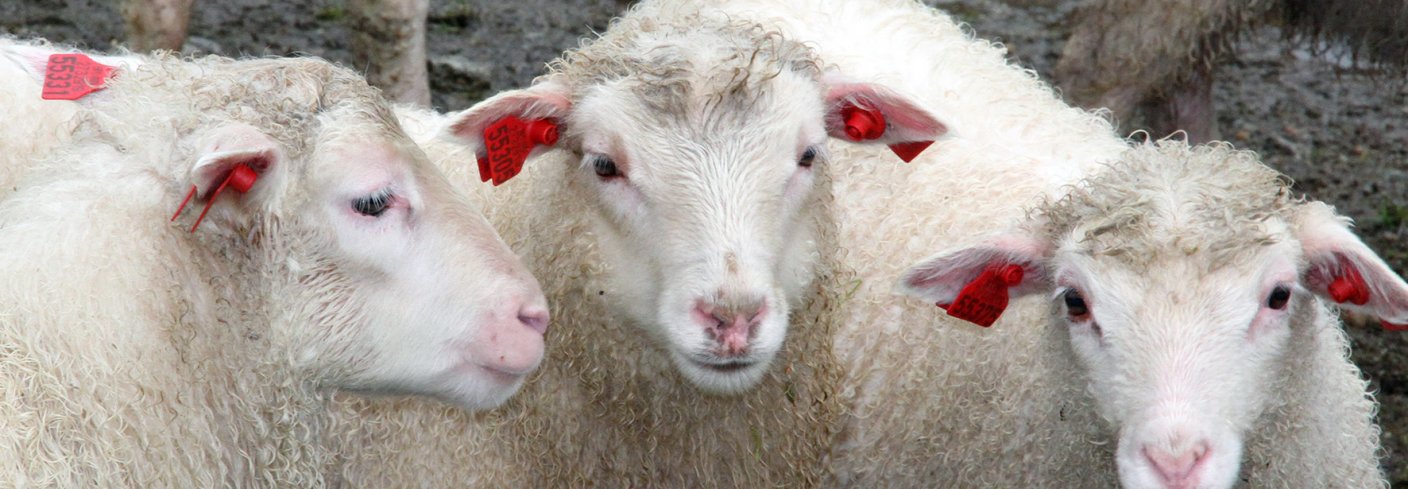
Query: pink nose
[(1178, 470), (535, 317), (732, 327), (512, 342)]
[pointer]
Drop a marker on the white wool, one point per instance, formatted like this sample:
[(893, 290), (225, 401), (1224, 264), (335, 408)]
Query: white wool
[(1221, 230), (925, 403), (1173, 249), (47, 123), (933, 399), (134, 353)]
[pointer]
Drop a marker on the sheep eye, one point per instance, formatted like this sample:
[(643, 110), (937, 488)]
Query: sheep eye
[(805, 161), (1075, 304), (1279, 297), (605, 168), (372, 205)]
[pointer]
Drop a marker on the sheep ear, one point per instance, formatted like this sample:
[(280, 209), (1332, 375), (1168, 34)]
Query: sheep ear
[(1341, 268), (234, 163), (975, 283), (505, 129), (871, 113)]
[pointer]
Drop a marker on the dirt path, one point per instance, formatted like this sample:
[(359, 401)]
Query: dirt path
[(1340, 133)]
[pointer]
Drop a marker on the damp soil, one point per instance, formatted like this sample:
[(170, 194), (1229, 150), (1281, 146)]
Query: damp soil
[(1337, 127)]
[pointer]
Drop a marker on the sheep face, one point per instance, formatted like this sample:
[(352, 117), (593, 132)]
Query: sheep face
[(1180, 356), (699, 146), (407, 283), (1184, 277), (383, 277), (705, 212)]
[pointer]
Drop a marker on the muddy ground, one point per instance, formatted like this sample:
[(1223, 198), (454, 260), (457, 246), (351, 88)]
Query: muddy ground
[(1339, 130)]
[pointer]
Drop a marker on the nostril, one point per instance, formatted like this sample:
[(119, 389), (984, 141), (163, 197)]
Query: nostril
[(705, 315), (1182, 466), (536, 318), (756, 311)]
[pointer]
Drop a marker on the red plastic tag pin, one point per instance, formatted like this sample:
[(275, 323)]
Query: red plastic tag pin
[(507, 143), (985, 298), (1393, 327), (863, 124), (72, 76), (241, 178), (1349, 286), (909, 151)]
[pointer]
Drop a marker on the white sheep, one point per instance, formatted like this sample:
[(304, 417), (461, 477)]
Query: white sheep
[(135, 352), (680, 225), (945, 406), (851, 407), (1189, 290)]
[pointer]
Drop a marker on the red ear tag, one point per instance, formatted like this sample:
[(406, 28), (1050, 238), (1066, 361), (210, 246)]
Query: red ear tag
[(241, 178), (863, 124), (909, 151), (72, 76), (1349, 286), (983, 300), (507, 143), (1393, 327)]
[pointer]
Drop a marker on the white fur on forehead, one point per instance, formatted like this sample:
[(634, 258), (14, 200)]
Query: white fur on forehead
[(684, 61), (1169, 199)]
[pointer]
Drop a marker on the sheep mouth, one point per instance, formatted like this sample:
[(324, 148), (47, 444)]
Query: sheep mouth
[(725, 367)]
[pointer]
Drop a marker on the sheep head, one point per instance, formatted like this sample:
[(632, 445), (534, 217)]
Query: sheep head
[(699, 144), (1184, 278)]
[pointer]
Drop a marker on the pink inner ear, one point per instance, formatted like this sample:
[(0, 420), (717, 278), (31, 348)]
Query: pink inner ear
[(241, 178), (898, 111), (544, 101), (212, 175), (1341, 281)]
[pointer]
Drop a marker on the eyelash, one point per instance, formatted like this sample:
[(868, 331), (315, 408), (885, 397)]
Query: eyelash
[(373, 205)]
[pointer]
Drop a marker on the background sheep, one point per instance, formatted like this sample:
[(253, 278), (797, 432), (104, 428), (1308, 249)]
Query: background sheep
[(1159, 58), (1193, 287), (139, 354), (388, 39)]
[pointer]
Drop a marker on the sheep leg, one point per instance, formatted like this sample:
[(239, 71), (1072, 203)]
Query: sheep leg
[(388, 38), (156, 24)]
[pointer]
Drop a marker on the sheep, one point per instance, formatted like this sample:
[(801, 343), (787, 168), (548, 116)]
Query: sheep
[(1157, 58), (615, 415), (681, 226), (139, 352), (1190, 292), (387, 37)]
